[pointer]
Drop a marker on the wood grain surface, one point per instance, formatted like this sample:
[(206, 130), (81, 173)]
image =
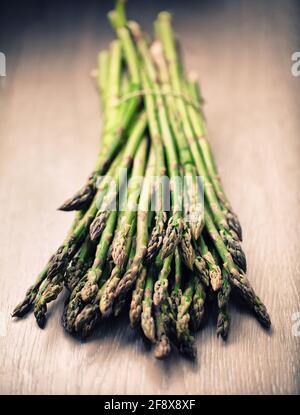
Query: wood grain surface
[(50, 128)]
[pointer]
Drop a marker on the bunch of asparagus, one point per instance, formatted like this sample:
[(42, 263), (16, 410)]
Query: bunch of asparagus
[(162, 264)]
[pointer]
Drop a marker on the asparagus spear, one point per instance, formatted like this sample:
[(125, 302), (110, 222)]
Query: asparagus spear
[(119, 247), (165, 34), (108, 293), (195, 211), (197, 306), (162, 347), (87, 287), (119, 243), (79, 265), (120, 300), (237, 278), (201, 270), (230, 238), (137, 298), (175, 224), (148, 71), (134, 140), (147, 320), (162, 312), (214, 271), (142, 229), (223, 322), (162, 283), (185, 339), (176, 293), (191, 88), (49, 291), (114, 136), (102, 80)]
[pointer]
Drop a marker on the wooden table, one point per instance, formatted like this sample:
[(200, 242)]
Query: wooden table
[(50, 128)]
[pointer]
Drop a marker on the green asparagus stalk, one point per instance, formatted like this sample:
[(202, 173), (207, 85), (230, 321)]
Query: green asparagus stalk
[(114, 136), (127, 222), (223, 322), (162, 312), (195, 211), (166, 37), (176, 293), (79, 264), (120, 301), (108, 293), (163, 346), (162, 283), (102, 80), (199, 124), (148, 72), (214, 271), (134, 140), (87, 287), (237, 278), (175, 224), (185, 339), (197, 306), (147, 320), (94, 274), (142, 228), (49, 291), (119, 243), (137, 298), (201, 270)]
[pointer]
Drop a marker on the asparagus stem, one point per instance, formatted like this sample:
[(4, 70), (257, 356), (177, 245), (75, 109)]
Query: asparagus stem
[(87, 287), (134, 141), (197, 306), (162, 283), (165, 35), (185, 339), (213, 269), (49, 291), (114, 136), (223, 322), (137, 298), (230, 238), (176, 293), (162, 347), (120, 300), (237, 278), (108, 295), (119, 243), (175, 224), (195, 208), (79, 265), (147, 320), (199, 125), (148, 77), (142, 229)]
